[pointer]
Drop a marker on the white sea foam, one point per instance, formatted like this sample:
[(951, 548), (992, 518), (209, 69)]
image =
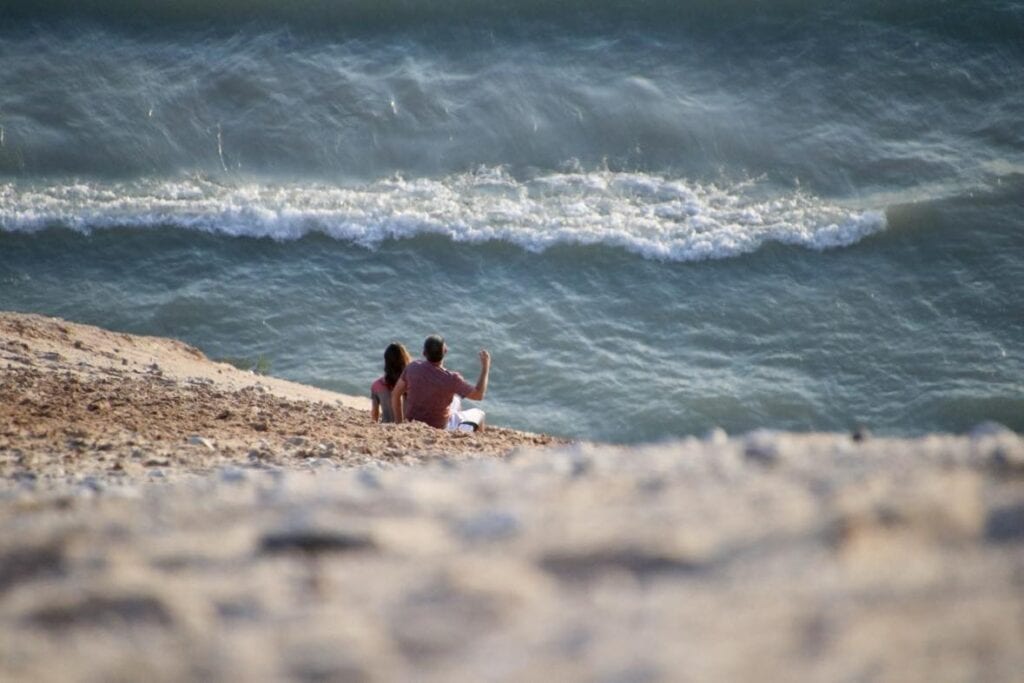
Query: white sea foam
[(650, 215)]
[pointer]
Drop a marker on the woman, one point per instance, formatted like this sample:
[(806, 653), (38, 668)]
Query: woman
[(395, 360)]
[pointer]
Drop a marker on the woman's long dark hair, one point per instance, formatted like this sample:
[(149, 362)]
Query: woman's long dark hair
[(395, 360)]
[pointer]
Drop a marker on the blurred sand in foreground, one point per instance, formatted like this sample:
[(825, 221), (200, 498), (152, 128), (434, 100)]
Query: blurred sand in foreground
[(167, 518)]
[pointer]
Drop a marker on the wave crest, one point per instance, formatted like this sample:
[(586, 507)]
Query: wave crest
[(653, 216)]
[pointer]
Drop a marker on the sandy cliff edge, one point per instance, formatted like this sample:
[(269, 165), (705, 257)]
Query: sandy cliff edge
[(76, 398)]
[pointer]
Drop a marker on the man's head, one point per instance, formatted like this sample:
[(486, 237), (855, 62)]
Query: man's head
[(434, 348)]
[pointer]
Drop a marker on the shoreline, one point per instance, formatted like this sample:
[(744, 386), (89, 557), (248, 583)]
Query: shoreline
[(167, 518), (79, 398)]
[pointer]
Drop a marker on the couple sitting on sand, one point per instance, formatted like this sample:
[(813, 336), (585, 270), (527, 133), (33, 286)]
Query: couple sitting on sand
[(426, 391)]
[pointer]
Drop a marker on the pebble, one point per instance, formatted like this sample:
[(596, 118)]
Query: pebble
[(761, 446), (716, 437), (492, 525), (368, 479), (997, 445), (573, 464), (1006, 524), (201, 441), (232, 475), (989, 428), (642, 564), (314, 541), (651, 484), (110, 610), (91, 484), (1009, 459), (30, 563)]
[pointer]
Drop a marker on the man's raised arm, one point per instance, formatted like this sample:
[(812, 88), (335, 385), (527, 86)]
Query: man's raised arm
[(481, 384)]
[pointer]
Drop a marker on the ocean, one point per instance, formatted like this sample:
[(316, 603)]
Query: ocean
[(660, 217)]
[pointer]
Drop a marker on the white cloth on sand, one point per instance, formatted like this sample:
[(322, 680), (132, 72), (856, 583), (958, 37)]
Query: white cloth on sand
[(468, 420)]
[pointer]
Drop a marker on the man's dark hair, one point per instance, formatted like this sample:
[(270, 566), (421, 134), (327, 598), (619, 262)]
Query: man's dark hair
[(433, 348)]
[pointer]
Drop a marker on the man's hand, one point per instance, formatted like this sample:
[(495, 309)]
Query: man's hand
[(481, 384)]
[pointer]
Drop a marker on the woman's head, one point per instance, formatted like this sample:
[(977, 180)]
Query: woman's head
[(395, 360)]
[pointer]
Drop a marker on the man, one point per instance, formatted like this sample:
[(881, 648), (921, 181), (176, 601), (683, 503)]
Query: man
[(429, 389)]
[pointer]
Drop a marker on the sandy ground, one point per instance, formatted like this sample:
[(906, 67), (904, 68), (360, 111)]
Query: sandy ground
[(165, 518), (77, 400)]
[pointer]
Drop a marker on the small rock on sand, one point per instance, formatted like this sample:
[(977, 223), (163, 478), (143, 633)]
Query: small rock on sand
[(201, 441), (314, 541)]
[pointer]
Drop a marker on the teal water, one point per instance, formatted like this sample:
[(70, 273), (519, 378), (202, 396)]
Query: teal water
[(916, 329), (659, 220)]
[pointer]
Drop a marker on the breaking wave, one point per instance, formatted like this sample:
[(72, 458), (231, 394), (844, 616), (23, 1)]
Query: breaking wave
[(653, 216)]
